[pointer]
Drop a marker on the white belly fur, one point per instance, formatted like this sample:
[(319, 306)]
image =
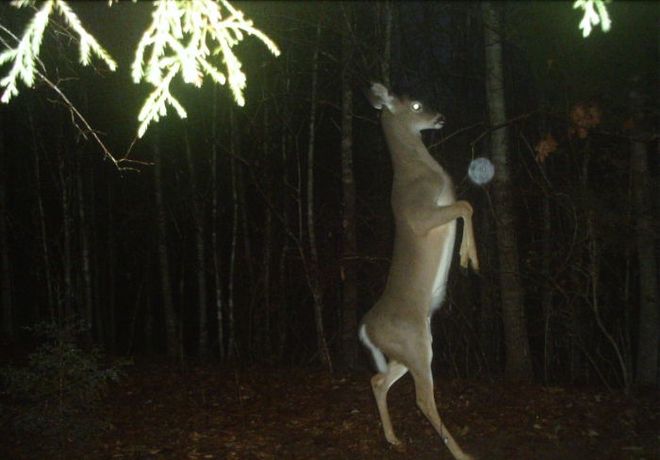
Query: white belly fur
[(440, 283)]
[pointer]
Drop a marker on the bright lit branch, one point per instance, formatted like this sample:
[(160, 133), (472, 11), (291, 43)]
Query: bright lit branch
[(184, 37), (26, 53), (594, 13)]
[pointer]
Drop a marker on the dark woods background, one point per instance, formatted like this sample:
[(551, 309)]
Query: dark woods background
[(236, 236)]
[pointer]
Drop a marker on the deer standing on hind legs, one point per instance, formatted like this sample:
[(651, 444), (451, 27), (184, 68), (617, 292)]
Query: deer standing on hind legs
[(397, 328)]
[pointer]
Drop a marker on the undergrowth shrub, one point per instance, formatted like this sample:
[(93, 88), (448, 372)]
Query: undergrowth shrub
[(56, 395)]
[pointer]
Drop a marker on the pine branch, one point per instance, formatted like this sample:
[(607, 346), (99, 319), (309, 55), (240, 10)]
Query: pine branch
[(180, 40), (26, 53)]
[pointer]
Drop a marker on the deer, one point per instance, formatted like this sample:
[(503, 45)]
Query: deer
[(397, 329)]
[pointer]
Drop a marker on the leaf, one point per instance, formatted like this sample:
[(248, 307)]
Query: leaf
[(584, 118), (545, 147)]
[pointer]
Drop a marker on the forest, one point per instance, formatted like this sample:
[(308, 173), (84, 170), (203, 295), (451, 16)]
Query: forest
[(244, 239)]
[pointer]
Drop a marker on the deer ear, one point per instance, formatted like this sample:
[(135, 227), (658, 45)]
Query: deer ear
[(379, 96)]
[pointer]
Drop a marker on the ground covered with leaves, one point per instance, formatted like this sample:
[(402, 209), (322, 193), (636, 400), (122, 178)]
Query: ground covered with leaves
[(163, 412)]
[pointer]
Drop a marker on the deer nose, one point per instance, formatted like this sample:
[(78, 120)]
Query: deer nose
[(440, 120)]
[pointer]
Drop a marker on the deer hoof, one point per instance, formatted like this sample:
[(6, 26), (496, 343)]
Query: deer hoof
[(398, 446)]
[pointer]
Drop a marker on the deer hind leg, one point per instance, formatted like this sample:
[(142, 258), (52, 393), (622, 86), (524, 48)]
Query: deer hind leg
[(380, 384), (426, 402)]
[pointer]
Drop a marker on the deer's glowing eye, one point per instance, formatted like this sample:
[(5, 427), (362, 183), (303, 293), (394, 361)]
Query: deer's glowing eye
[(416, 106)]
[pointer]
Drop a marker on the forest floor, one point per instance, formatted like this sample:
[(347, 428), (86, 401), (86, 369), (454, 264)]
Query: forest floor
[(157, 412)]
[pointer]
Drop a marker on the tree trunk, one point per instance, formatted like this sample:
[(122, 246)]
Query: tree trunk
[(65, 303), (110, 272), (649, 317), (84, 279), (200, 253), (91, 316), (44, 250), (518, 355), (262, 318), (8, 331), (547, 292), (386, 11), (215, 247), (282, 321), (262, 321), (231, 338), (312, 265), (172, 340), (349, 250)]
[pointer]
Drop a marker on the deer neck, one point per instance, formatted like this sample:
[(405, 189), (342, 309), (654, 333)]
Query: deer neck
[(410, 157)]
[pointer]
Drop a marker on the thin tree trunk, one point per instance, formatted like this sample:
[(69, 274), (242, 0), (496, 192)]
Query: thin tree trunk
[(312, 268), (231, 339), (546, 294), (518, 355), (44, 253), (243, 243), (215, 247), (8, 331), (200, 253), (649, 316), (262, 319), (282, 307), (110, 270), (85, 265), (65, 303), (349, 250), (84, 285), (386, 8), (172, 342), (149, 320), (248, 267)]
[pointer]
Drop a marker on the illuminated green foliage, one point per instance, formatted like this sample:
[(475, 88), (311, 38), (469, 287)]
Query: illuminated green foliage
[(26, 54), (189, 38), (183, 38), (595, 13)]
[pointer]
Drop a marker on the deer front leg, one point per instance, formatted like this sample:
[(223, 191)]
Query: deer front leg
[(380, 384), (425, 219), (445, 214), (468, 250)]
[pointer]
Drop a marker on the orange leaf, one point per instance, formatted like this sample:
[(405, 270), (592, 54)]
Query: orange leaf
[(583, 118), (545, 147)]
